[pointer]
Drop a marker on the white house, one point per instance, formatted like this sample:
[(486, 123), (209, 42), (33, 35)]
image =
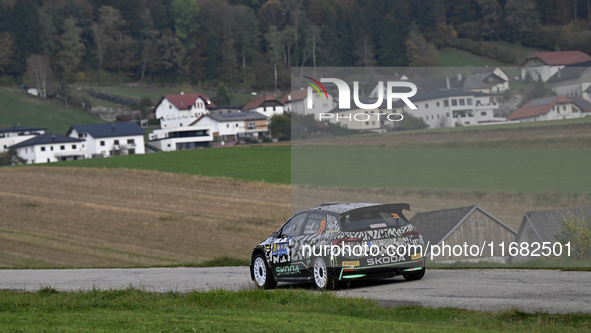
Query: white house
[(47, 147), (105, 140), (232, 126), (265, 105), (453, 107), (298, 101), (185, 137), (545, 64), (378, 119), (182, 109), (548, 108), (17, 134)]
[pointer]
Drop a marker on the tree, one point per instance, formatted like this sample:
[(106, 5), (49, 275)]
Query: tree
[(10, 157), (576, 230), (522, 17), (5, 50), (72, 49), (420, 53), (39, 69), (281, 125), (222, 97), (49, 36), (184, 14), (490, 17), (106, 32), (274, 47)]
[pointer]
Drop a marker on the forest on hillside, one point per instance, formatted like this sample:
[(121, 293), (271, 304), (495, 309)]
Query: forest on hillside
[(252, 44)]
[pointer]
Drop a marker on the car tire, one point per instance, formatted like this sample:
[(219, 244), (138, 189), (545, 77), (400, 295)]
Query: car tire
[(263, 277), (322, 276), (415, 275)]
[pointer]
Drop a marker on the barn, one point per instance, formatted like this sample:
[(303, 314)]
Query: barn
[(471, 225), (543, 225)]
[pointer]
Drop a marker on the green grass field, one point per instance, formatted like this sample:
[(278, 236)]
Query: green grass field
[(155, 93), (16, 106), (518, 170), (269, 164), (452, 57), (254, 311)]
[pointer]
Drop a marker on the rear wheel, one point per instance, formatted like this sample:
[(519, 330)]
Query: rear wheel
[(262, 274), (413, 276), (323, 277)]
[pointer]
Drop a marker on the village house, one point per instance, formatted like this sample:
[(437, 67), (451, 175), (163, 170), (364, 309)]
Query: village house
[(48, 147), (543, 226), (104, 140), (543, 65), (377, 119), (547, 108), (17, 134), (456, 226), (572, 81), (265, 105), (182, 109), (228, 127)]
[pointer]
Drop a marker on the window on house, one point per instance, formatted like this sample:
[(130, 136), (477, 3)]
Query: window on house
[(116, 142), (483, 113), (25, 150), (367, 123), (51, 148), (454, 102), (273, 108), (236, 125), (437, 104), (325, 105), (373, 122), (130, 141), (438, 116), (42, 148), (227, 125), (426, 105), (564, 108), (62, 147), (462, 102), (446, 103), (73, 146), (469, 101), (432, 117), (170, 106), (80, 135), (102, 143), (48, 161)]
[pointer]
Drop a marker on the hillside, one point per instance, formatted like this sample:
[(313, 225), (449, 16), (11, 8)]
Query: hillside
[(17, 107)]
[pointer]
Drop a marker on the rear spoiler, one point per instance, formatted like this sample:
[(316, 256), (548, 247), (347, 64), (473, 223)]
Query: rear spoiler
[(401, 206)]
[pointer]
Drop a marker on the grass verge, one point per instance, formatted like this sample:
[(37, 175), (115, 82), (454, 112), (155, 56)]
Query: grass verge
[(254, 311)]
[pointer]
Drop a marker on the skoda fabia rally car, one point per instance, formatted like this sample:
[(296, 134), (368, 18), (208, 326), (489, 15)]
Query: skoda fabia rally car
[(335, 243)]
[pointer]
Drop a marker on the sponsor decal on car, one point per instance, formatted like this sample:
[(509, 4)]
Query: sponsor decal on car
[(287, 270), (384, 260), (379, 225), (416, 256), (350, 263), (279, 249)]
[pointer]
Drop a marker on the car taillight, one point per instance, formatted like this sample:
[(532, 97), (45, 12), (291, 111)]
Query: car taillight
[(412, 234), (345, 241)]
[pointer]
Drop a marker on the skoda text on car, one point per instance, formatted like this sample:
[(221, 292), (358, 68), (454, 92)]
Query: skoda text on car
[(335, 243)]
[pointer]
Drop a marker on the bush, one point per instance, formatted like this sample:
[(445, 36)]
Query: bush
[(410, 123), (577, 231), (284, 138), (267, 139)]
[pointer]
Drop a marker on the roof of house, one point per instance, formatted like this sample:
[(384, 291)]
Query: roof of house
[(583, 104), (548, 223), (477, 81), (259, 101), (19, 128), (436, 225), (560, 58), (47, 138), (570, 72), (440, 93), (236, 116), (296, 95), (537, 107), (185, 101), (108, 130), (486, 69)]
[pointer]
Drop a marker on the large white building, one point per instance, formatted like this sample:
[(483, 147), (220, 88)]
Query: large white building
[(17, 134), (104, 140), (47, 148), (233, 126), (182, 109), (453, 107), (572, 81), (549, 108)]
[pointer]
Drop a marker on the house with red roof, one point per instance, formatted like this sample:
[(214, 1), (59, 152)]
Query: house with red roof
[(265, 105), (181, 109), (307, 101), (547, 108), (545, 64)]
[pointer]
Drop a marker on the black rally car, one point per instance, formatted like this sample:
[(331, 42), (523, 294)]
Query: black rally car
[(340, 242)]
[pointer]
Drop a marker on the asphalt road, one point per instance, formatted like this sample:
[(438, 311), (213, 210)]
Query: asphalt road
[(527, 290)]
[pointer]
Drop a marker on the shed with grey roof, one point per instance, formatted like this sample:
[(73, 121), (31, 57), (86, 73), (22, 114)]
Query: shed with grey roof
[(470, 225), (543, 226)]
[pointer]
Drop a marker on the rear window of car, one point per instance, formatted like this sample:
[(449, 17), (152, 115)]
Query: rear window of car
[(369, 220)]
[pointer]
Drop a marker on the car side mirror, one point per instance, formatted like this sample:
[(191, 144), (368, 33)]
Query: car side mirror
[(275, 234)]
